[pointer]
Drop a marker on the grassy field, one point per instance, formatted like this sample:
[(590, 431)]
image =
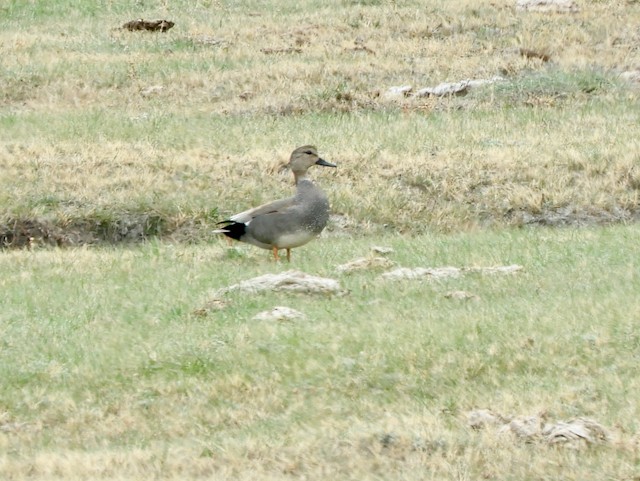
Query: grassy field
[(111, 369), (115, 362)]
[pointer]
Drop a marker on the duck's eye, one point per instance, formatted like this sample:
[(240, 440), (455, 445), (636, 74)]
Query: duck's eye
[(308, 152)]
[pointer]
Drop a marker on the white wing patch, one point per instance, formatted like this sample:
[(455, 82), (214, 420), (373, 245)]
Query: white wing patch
[(243, 217)]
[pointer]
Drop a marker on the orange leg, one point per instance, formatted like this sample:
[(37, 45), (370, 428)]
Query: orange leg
[(288, 255), (276, 257)]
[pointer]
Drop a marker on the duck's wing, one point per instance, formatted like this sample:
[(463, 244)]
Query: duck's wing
[(277, 206)]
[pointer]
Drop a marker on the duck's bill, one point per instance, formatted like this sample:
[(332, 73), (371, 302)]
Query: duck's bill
[(325, 163)]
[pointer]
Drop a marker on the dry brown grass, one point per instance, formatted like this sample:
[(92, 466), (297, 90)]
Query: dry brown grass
[(408, 447), (102, 123)]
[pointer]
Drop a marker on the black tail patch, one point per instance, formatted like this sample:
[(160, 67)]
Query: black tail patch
[(235, 229)]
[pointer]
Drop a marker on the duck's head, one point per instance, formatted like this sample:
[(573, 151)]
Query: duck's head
[(304, 157)]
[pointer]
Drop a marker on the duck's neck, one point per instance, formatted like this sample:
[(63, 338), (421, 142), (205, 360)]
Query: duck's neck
[(298, 176)]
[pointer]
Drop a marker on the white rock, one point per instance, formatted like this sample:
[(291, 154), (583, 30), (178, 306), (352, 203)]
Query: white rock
[(382, 250), (480, 418), (456, 88), (632, 76), (397, 92), (447, 88), (289, 281), (152, 90), (279, 313), (364, 263), (512, 269), (547, 6), (421, 273), (577, 430), (527, 427)]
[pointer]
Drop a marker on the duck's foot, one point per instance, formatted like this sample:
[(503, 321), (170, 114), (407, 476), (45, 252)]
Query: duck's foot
[(276, 255)]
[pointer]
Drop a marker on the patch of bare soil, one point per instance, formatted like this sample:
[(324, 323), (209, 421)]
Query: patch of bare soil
[(125, 228), (572, 215), (20, 233), (130, 228), (148, 25), (279, 313)]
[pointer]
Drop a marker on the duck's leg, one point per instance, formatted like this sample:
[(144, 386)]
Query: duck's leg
[(276, 257), (288, 255)]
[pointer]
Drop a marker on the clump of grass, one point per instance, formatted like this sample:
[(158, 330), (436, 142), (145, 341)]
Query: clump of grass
[(553, 88)]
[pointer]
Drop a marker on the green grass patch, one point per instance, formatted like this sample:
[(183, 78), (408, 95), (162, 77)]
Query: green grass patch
[(104, 348)]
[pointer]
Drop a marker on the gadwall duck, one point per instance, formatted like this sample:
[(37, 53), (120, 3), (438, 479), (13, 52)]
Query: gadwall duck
[(285, 223)]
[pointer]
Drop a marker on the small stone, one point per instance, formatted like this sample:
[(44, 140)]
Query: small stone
[(152, 90), (421, 273), (397, 92), (461, 295), (382, 250), (480, 418), (279, 313), (576, 431), (632, 76), (547, 6), (365, 263)]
